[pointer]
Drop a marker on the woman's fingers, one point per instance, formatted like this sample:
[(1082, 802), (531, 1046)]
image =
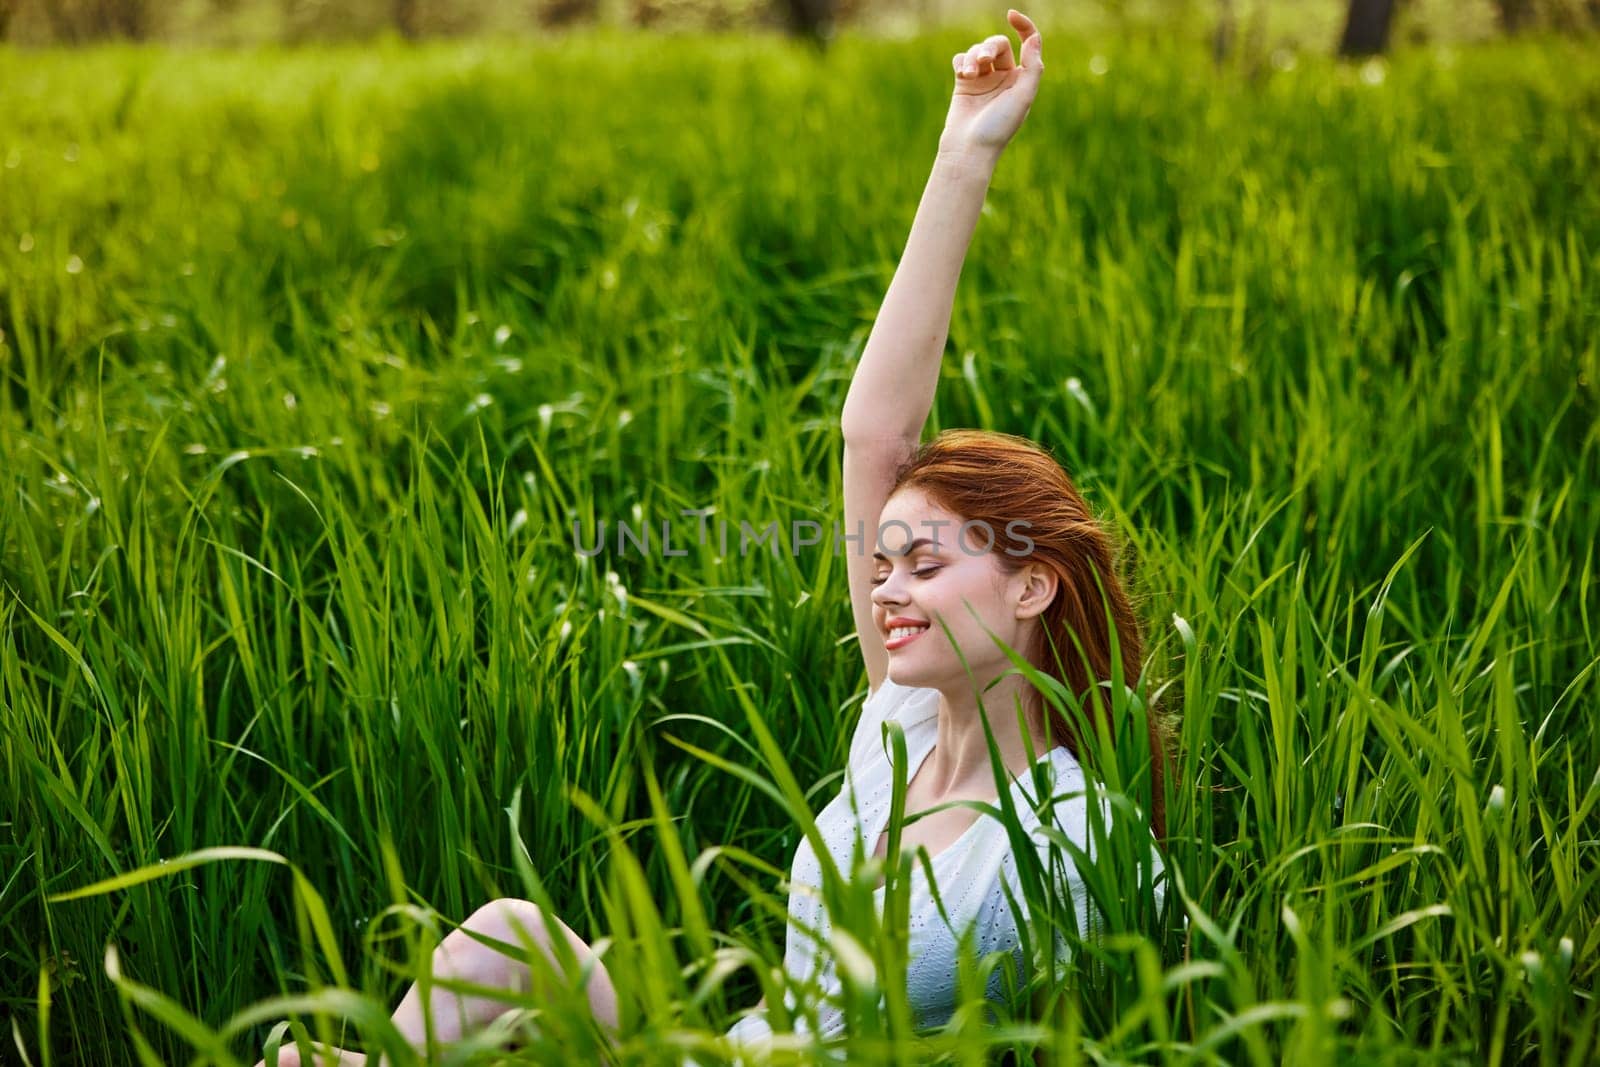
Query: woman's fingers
[(998, 50), (994, 53), (985, 57), (1031, 43)]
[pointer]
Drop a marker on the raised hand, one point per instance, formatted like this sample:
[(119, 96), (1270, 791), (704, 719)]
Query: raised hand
[(993, 91)]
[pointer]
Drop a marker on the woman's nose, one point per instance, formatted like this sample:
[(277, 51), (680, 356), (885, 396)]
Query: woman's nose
[(888, 592)]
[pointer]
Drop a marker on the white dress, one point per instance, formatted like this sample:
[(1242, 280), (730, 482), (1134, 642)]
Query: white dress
[(969, 870)]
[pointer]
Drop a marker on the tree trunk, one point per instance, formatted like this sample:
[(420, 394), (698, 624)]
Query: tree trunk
[(405, 19), (132, 19), (1514, 15), (811, 19), (557, 13), (1366, 28), (76, 21), (1222, 36)]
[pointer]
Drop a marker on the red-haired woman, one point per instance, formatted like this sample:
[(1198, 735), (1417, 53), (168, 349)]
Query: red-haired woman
[(971, 540)]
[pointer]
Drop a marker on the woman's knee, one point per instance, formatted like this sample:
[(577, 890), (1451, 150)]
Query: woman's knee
[(517, 922), (492, 946), (514, 927), (511, 920)]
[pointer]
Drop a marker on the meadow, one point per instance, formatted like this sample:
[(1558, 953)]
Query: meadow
[(311, 359)]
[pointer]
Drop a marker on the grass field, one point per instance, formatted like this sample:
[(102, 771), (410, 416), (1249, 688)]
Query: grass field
[(311, 360)]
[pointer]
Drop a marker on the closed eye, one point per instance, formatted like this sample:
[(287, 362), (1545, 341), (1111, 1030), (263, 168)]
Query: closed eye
[(923, 573)]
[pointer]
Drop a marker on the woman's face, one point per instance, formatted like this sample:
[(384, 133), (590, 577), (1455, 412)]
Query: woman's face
[(945, 570)]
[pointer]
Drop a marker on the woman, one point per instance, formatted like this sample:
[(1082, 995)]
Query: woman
[(932, 599)]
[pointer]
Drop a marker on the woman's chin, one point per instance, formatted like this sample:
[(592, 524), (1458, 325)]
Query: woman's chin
[(907, 675)]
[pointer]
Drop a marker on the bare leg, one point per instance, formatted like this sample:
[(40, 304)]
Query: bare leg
[(288, 1056), (459, 957)]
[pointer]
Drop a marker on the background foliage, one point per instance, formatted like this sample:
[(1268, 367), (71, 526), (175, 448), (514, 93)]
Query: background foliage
[(1236, 25), (310, 360)]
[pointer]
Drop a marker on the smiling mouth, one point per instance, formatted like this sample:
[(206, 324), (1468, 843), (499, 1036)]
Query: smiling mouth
[(905, 639)]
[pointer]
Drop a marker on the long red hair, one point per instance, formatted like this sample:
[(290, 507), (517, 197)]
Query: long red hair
[(997, 479)]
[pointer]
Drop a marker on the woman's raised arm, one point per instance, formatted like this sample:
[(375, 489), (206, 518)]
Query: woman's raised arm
[(891, 392)]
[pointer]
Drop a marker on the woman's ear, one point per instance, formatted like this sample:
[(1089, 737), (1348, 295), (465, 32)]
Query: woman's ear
[(1035, 587)]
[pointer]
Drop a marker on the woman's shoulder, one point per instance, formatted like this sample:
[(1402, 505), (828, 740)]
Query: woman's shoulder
[(1060, 774), (890, 701), (892, 698), (1080, 810)]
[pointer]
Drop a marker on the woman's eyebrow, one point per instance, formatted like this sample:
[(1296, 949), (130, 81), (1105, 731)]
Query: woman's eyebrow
[(921, 542)]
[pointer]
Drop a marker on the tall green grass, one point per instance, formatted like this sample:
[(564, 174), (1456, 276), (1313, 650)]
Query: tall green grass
[(312, 359)]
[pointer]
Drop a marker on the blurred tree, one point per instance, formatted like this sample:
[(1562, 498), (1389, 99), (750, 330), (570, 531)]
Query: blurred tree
[(811, 19), (75, 21), (565, 12), (1222, 36), (1564, 16), (413, 20), (1366, 27), (405, 18), (1514, 14), (1225, 40), (1237, 28), (316, 20), (814, 20)]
